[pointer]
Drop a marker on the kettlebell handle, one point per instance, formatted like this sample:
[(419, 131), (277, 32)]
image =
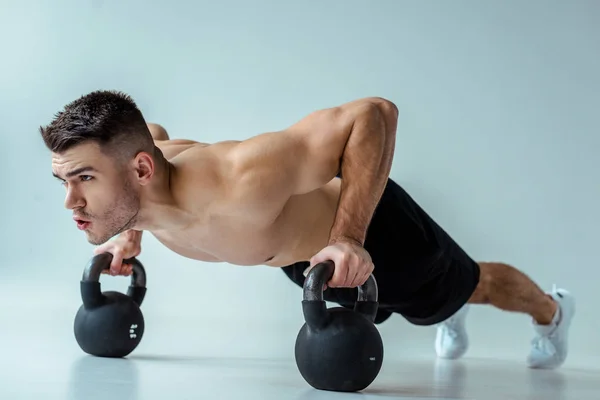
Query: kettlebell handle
[(321, 273), (313, 306), (91, 292), (100, 262)]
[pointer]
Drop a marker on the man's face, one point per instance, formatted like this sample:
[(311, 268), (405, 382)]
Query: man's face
[(101, 193)]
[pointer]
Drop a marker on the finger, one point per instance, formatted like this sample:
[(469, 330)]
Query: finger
[(320, 258), (329, 253), (306, 271), (353, 271), (367, 274), (116, 263), (357, 273), (323, 256), (340, 273), (350, 270), (127, 270), (361, 279), (361, 266), (355, 281)]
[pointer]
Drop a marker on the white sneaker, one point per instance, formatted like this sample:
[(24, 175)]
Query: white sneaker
[(452, 341), (550, 346)]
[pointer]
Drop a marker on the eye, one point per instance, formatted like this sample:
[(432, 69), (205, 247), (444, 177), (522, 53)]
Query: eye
[(85, 178)]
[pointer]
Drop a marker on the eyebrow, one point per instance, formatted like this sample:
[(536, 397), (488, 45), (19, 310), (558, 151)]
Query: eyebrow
[(75, 172)]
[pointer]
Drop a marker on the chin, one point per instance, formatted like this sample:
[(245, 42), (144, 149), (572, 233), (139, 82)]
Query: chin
[(103, 237), (96, 240)]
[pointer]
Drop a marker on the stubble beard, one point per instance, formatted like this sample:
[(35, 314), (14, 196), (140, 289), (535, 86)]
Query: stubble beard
[(119, 217)]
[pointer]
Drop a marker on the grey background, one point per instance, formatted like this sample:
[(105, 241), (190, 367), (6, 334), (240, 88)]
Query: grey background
[(497, 139)]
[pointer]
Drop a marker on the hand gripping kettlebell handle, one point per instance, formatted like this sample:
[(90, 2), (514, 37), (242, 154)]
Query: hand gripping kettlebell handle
[(100, 262), (90, 281), (319, 275)]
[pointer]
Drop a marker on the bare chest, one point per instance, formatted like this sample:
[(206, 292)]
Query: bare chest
[(225, 240), (296, 234)]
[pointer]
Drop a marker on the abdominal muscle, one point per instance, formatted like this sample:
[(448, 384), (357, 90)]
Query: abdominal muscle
[(299, 232)]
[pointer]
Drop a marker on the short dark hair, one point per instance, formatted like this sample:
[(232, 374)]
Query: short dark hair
[(107, 117)]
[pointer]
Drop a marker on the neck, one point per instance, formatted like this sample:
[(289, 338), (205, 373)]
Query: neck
[(158, 207)]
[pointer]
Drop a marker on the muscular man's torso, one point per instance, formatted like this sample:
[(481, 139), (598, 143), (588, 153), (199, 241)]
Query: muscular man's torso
[(293, 232)]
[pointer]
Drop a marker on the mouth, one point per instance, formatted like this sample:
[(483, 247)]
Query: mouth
[(82, 224)]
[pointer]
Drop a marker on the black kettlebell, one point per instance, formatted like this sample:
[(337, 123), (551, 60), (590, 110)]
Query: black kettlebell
[(110, 324), (338, 349)]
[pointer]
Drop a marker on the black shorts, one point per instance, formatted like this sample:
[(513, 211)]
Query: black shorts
[(421, 272)]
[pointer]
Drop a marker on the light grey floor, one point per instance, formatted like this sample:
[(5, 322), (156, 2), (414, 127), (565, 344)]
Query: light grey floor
[(147, 376), (191, 357)]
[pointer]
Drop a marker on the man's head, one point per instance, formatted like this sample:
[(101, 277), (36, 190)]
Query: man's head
[(103, 152)]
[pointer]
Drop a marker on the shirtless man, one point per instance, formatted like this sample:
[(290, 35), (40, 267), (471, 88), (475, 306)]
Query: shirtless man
[(316, 190)]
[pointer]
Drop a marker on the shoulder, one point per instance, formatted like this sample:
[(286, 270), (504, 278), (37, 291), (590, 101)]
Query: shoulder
[(341, 117), (174, 147), (199, 176)]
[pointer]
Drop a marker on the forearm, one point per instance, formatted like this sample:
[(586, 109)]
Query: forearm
[(365, 167)]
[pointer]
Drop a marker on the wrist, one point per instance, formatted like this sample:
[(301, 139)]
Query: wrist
[(352, 239), (132, 235)]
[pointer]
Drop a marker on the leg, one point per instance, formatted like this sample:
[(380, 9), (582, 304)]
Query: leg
[(509, 289), (429, 295)]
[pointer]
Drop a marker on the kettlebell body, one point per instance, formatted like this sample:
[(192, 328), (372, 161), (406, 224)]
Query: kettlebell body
[(110, 324), (338, 349), (345, 356)]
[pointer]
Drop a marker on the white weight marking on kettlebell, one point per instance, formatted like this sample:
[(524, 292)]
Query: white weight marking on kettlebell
[(132, 334)]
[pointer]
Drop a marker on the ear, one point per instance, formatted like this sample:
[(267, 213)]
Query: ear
[(144, 167)]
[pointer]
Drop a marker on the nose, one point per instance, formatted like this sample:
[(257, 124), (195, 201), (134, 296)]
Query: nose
[(73, 199)]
